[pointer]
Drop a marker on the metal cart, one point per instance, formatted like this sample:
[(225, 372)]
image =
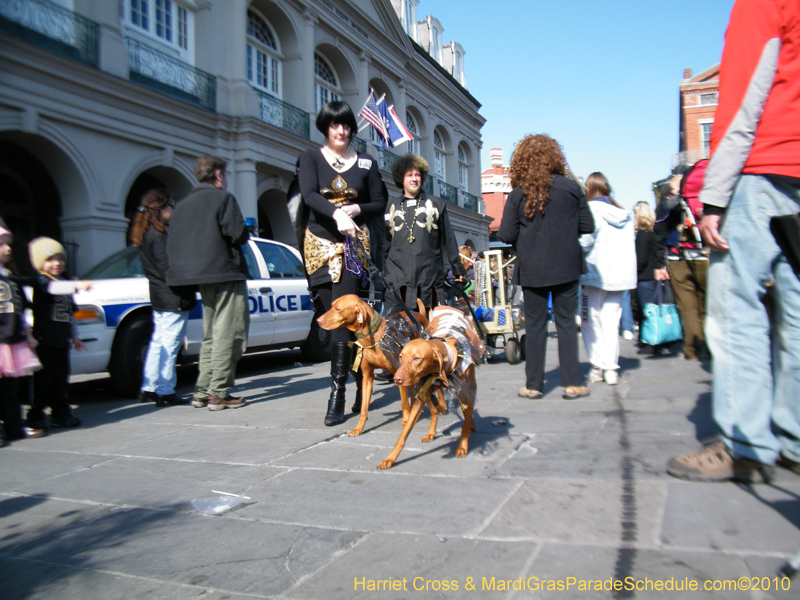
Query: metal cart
[(506, 320)]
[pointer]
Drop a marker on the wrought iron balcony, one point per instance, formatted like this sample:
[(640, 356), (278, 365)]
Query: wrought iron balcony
[(283, 115), (386, 159), (447, 192), (358, 144), (428, 186), (52, 27), (470, 201), (171, 76)]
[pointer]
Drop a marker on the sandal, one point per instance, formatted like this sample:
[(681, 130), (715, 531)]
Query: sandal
[(530, 394), (576, 391)]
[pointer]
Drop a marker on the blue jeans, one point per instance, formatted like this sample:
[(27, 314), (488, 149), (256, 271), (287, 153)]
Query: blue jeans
[(626, 322), (169, 329), (756, 368)]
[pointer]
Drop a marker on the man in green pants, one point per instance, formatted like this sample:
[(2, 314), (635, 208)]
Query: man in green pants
[(204, 247)]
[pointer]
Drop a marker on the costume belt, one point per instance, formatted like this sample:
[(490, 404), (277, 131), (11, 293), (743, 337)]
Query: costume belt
[(319, 252)]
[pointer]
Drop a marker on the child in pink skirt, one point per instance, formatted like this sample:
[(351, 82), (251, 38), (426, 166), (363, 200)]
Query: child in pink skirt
[(17, 358)]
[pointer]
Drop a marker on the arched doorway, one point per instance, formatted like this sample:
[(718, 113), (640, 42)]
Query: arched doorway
[(30, 202), (155, 177)]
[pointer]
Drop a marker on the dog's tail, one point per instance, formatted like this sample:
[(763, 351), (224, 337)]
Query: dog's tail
[(421, 310)]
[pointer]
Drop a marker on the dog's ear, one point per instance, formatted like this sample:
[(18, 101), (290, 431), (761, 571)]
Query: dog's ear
[(359, 314)]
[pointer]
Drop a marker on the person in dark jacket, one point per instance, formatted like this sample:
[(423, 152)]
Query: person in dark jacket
[(345, 196), (170, 309), (204, 247), (542, 219), (419, 237), (649, 258), (55, 329)]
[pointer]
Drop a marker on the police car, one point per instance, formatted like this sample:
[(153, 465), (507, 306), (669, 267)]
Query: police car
[(115, 321)]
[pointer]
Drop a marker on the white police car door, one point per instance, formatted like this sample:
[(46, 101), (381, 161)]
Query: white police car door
[(259, 294), (290, 301)]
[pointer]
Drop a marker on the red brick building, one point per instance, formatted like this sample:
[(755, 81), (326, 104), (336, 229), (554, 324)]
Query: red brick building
[(698, 104), (495, 188)]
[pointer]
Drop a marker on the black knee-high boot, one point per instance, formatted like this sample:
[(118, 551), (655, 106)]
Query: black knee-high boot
[(341, 360), (359, 376)]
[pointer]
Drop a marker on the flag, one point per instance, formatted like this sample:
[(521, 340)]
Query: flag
[(383, 111), (397, 131), (371, 114)]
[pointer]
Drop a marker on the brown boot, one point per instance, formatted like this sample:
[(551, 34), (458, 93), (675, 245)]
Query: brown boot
[(217, 403)]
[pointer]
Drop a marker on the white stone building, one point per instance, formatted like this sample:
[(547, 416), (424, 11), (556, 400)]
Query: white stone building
[(102, 99)]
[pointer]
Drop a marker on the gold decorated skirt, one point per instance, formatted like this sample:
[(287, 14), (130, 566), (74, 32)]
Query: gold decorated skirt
[(319, 252)]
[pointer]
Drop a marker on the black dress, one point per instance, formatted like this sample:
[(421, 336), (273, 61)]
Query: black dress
[(364, 178), (420, 237)]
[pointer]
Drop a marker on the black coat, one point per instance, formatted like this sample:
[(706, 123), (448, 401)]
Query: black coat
[(206, 232), (547, 246), (155, 263)]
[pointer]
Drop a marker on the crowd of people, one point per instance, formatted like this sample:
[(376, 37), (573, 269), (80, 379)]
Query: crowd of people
[(717, 238)]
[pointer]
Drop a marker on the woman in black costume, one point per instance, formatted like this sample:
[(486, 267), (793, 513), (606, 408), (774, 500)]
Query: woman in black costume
[(344, 191)]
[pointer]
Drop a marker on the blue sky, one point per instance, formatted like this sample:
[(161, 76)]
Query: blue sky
[(600, 77)]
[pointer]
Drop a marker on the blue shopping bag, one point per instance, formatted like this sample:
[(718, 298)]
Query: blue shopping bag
[(662, 324)]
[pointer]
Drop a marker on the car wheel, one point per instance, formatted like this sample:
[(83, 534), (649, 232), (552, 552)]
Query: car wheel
[(128, 354), (512, 351), (317, 348)]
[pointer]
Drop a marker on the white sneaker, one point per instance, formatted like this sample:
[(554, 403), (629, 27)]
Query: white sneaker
[(595, 375), (611, 377), (627, 335)]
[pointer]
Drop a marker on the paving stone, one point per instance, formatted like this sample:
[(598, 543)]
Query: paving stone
[(153, 483), (421, 560), (21, 467), (224, 553), (379, 501), (590, 511), (734, 517)]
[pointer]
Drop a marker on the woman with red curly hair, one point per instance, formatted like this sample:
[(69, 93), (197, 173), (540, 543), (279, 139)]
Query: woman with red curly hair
[(170, 305), (542, 219)]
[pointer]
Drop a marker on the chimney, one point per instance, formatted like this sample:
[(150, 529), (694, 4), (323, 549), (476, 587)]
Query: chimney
[(687, 73), (497, 157)]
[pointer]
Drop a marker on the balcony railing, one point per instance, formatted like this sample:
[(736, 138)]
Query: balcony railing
[(386, 160), (447, 192), (284, 116), (428, 186), (358, 144), (171, 76), (470, 201), (51, 27)]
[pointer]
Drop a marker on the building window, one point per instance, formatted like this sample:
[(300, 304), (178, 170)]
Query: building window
[(162, 19), (411, 125), (709, 99), (436, 44), (410, 18), (263, 59), (705, 135), (326, 84), (438, 155), (463, 169)]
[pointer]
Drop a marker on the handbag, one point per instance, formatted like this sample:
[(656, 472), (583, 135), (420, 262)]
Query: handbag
[(662, 323)]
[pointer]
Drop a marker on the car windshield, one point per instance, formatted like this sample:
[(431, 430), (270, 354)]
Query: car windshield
[(124, 263)]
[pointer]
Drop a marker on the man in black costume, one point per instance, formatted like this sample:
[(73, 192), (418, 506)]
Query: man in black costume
[(419, 236)]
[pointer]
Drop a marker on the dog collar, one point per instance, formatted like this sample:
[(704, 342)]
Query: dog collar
[(374, 324)]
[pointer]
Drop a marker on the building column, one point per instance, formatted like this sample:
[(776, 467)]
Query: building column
[(245, 186), (307, 47), (111, 47)]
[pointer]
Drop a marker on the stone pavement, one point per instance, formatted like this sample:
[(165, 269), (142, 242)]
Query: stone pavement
[(550, 490)]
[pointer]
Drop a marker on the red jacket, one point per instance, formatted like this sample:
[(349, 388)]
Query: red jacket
[(757, 124)]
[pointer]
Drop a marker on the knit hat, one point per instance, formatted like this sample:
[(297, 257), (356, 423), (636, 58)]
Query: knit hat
[(43, 248), (4, 231)]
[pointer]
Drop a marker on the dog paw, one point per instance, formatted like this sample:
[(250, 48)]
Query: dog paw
[(387, 464), (461, 453), (428, 437), (355, 432)]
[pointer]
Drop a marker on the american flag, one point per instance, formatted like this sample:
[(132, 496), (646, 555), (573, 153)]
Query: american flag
[(371, 115)]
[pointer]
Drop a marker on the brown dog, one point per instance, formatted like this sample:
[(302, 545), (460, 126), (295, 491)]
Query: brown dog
[(448, 358), (356, 315)]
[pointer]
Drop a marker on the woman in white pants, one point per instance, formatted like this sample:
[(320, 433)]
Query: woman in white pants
[(611, 269)]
